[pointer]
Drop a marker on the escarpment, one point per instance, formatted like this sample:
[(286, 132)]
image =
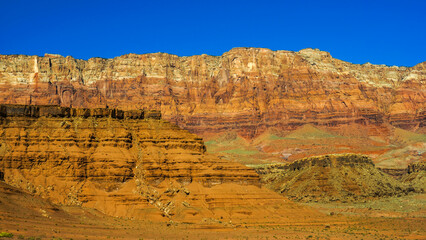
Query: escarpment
[(246, 89), (335, 177), (130, 164)]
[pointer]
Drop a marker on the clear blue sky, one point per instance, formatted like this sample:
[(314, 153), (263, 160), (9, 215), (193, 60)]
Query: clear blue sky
[(381, 32)]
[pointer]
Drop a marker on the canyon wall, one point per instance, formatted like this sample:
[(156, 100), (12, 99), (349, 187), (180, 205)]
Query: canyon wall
[(247, 90)]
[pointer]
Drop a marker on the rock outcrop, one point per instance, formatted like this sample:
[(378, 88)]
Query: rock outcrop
[(246, 89), (337, 177), (416, 176), (129, 164)]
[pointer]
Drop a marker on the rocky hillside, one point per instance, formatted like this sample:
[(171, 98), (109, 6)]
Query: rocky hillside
[(339, 177), (127, 163), (246, 89)]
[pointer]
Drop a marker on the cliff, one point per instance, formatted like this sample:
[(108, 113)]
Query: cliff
[(246, 89), (128, 164)]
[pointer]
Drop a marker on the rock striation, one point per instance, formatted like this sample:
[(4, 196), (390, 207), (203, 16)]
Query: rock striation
[(36, 111), (246, 89), (336, 177), (128, 164)]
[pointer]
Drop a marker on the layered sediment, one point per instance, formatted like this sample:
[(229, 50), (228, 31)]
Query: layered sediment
[(129, 164), (246, 89)]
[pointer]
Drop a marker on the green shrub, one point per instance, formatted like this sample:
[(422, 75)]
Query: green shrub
[(6, 235)]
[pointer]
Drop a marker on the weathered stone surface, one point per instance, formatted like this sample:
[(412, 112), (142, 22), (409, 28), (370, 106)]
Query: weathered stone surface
[(246, 89)]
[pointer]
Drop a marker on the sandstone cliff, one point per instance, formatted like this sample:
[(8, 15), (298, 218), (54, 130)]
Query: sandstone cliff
[(246, 89), (129, 164)]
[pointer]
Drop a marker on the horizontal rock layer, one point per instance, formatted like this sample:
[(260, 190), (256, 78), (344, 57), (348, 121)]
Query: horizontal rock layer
[(36, 111), (246, 89), (124, 167)]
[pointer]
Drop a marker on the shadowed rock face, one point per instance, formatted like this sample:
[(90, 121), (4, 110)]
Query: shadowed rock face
[(339, 177), (36, 111), (134, 167), (246, 89)]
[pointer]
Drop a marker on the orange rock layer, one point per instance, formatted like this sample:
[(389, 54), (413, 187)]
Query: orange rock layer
[(126, 167)]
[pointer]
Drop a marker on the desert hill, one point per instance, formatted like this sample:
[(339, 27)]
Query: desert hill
[(339, 177)]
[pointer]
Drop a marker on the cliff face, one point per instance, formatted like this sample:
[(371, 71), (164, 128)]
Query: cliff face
[(130, 165), (247, 90)]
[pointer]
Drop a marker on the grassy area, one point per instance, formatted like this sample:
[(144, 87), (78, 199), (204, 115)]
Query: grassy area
[(412, 204), (240, 151), (232, 147), (309, 132), (407, 136), (211, 142)]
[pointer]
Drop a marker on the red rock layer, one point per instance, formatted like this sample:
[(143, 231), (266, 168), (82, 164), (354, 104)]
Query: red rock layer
[(245, 89)]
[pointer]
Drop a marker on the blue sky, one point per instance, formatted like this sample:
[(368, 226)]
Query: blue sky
[(380, 32)]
